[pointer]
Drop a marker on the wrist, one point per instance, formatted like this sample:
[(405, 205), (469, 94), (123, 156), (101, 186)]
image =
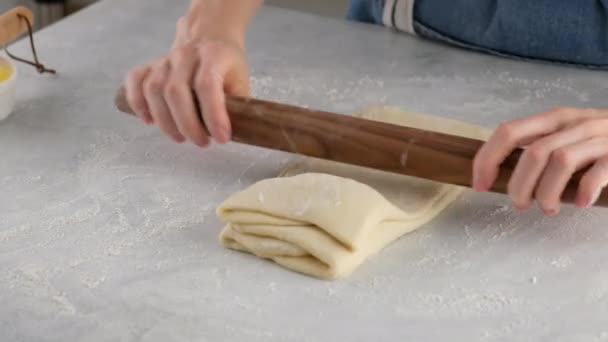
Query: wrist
[(205, 21)]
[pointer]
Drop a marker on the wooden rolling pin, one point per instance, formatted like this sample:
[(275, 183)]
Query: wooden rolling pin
[(12, 25), (377, 145)]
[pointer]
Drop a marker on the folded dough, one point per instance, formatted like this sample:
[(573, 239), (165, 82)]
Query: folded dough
[(324, 219)]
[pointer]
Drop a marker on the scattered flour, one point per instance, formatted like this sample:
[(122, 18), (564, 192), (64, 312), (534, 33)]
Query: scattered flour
[(561, 262), (64, 304), (93, 282)]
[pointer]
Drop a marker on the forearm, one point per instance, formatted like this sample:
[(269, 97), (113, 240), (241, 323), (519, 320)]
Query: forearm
[(225, 19)]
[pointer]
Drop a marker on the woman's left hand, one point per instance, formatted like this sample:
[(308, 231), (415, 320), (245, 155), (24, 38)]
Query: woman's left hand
[(556, 144)]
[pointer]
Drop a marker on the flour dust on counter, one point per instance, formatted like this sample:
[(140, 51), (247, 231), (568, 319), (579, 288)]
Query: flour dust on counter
[(347, 95)]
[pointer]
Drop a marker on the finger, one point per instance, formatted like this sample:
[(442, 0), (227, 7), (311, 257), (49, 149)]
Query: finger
[(534, 160), (509, 136), (135, 94), (153, 91), (179, 97), (563, 163), (529, 140), (209, 90), (592, 183)]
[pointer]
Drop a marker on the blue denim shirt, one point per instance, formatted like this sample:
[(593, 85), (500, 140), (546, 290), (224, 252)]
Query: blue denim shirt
[(563, 31)]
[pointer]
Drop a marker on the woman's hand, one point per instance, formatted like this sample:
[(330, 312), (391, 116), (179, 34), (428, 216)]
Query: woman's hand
[(556, 145), (206, 62), (164, 92)]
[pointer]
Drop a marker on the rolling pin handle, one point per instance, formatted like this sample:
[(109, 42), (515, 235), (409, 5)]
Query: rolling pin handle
[(12, 26)]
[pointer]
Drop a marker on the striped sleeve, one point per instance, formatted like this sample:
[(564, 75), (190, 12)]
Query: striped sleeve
[(399, 14)]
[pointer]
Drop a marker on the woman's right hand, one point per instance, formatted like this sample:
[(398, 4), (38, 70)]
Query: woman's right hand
[(201, 69)]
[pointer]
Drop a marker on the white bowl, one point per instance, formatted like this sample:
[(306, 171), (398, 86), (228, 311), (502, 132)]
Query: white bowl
[(7, 90)]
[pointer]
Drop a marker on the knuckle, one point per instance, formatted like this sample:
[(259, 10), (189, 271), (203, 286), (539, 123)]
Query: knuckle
[(154, 84), (181, 53), (563, 158), (204, 82), (536, 153), (171, 89), (506, 132), (136, 73)]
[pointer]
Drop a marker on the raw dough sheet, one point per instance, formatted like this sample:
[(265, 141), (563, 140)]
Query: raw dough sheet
[(324, 218)]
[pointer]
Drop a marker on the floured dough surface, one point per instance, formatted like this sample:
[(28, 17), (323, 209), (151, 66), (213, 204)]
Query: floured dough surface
[(324, 218)]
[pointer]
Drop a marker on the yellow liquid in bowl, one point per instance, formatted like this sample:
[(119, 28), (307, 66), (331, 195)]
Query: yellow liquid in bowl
[(6, 70)]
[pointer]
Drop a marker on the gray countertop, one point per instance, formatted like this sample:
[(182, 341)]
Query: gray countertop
[(108, 232)]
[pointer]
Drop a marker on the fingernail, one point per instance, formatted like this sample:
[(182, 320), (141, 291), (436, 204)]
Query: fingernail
[(520, 207), (594, 198), (224, 135), (201, 143), (550, 212), (146, 118), (478, 183), (580, 201)]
